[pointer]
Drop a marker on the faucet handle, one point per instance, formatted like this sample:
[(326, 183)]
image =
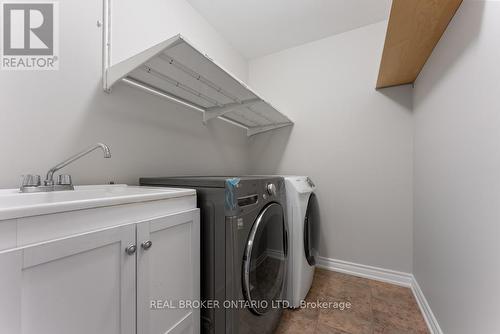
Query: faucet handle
[(64, 180), (31, 180)]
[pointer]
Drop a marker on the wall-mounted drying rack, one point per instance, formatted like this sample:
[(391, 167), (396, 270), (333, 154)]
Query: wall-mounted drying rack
[(176, 70)]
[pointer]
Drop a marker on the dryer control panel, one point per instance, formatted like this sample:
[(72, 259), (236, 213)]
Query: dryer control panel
[(310, 182), (302, 184)]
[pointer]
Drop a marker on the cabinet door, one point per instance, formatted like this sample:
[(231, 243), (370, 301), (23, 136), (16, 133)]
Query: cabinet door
[(79, 285), (168, 270)]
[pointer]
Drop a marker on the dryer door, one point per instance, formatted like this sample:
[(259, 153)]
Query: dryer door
[(311, 230), (264, 262)]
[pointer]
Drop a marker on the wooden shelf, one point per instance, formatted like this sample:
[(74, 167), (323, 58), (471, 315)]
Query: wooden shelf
[(176, 70), (415, 27)]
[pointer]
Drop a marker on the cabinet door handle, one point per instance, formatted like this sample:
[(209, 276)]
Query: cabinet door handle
[(130, 250), (147, 245)]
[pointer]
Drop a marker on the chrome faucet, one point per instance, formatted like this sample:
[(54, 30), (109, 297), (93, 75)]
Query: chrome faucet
[(31, 183), (49, 179)]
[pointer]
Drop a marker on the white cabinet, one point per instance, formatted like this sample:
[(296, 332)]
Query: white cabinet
[(168, 271), (89, 283), (80, 284)]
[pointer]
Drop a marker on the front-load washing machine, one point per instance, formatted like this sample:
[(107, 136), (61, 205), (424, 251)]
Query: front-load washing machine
[(244, 248), (303, 222)]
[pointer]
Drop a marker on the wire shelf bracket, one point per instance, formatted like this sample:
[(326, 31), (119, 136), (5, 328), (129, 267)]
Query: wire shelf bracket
[(177, 71)]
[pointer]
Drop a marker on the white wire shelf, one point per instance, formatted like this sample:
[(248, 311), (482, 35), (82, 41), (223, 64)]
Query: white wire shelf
[(176, 70)]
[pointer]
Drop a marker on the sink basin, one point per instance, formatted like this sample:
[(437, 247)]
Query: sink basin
[(14, 204)]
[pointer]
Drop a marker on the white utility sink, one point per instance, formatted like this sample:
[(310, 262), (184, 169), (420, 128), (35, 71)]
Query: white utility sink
[(14, 204)]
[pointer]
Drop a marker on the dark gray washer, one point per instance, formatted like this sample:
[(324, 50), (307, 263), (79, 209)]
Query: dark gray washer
[(224, 238)]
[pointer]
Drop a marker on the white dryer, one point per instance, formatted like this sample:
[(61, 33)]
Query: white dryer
[(303, 225)]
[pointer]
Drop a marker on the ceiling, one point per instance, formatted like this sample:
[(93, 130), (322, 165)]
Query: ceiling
[(260, 27)]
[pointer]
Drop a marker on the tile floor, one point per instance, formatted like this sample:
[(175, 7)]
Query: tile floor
[(376, 308)]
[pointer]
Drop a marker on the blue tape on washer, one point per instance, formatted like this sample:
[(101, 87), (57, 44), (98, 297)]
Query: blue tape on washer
[(231, 201)]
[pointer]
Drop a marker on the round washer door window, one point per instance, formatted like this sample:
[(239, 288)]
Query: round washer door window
[(311, 230), (264, 265)]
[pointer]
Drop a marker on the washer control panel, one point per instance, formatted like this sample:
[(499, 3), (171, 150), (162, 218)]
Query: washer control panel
[(271, 189)]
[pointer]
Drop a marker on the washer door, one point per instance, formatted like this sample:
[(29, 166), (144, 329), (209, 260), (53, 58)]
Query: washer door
[(264, 262), (311, 230)]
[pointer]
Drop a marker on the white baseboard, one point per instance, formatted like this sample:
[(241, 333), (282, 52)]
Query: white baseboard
[(361, 270), (429, 317), (388, 276)]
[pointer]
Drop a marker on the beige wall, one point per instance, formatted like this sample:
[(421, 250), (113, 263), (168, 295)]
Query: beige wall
[(47, 116), (355, 143), (457, 173)]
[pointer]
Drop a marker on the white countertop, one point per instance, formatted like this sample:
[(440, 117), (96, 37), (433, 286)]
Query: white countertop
[(14, 204)]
